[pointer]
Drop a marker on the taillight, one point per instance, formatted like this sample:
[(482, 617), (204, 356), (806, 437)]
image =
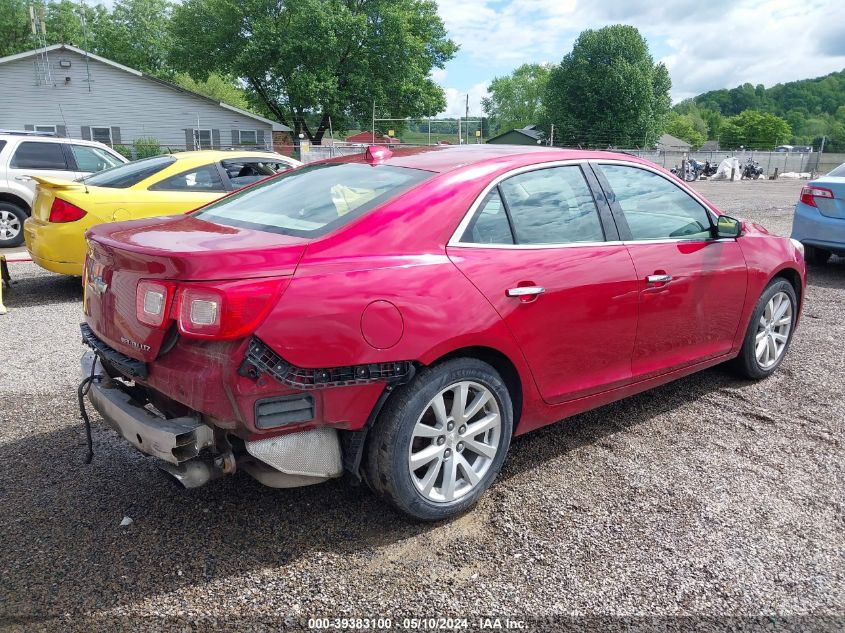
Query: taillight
[(225, 309), (64, 211), (809, 194), (152, 302)]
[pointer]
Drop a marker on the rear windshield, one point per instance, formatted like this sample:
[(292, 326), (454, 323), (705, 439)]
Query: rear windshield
[(838, 172), (129, 174), (314, 200)]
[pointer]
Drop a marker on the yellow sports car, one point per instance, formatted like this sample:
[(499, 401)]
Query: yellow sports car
[(175, 183)]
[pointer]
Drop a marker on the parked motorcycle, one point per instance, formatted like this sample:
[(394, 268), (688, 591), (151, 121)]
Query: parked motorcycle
[(752, 169), (692, 170), (709, 169)]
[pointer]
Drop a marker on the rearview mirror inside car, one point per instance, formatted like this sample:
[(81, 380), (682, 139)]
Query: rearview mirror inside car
[(727, 226)]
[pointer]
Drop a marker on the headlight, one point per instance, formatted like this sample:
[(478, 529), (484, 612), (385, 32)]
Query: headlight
[(798, 246)]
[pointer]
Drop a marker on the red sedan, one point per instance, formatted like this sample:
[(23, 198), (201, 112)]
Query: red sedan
[(400, 316)]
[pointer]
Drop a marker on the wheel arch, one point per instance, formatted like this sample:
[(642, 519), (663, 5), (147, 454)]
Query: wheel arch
[(5, 196), (501, 363), (794, 278)]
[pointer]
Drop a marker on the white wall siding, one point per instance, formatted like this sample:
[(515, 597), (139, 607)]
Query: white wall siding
[(136, 106)]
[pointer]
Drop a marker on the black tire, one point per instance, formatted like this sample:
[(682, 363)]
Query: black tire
[(746, 363), (386, 467), (12, 218), (816, 256)]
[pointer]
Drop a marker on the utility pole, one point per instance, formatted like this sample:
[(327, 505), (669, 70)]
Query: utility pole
[(552, 136), (374, 122), (821, 151), (467, 118)]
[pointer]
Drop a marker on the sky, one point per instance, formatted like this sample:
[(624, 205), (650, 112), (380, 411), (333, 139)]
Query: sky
[(705, 44)]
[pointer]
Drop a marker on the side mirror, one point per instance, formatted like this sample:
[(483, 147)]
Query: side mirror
[(727, 226)]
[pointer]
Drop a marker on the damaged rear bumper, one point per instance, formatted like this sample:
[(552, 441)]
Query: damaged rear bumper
[(284, 461), (174, 440)]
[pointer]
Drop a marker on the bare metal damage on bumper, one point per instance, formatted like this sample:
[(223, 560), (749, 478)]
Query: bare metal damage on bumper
[(294, 459)]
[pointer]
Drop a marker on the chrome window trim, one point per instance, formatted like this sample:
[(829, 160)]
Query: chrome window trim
[(455, 239)]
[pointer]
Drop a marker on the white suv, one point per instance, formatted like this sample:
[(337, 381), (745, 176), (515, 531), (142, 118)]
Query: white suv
[(24, 154)]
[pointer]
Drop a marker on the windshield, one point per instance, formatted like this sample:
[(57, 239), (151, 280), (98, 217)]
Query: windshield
[(312, 201), (129, 174)]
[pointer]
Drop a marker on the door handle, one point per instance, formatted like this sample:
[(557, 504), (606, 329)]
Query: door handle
[(658, 279), (525, 291), (23, 178)]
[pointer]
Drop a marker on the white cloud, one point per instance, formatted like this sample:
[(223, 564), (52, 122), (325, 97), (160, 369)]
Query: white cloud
[(706, 45), (456, 101)]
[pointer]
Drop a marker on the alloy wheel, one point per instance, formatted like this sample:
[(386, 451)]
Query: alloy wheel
[(773, 330), (10, 225), (454, 442)]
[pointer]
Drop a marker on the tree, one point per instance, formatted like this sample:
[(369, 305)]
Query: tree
[(319, 59), (608, 91), (681, 126), (516, 100), (137, 34), (754, 130)]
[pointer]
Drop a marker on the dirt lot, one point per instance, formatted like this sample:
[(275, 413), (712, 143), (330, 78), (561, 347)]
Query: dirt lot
[(709, 496)]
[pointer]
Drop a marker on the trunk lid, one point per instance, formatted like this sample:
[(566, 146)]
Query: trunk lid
[(178, 249), (46, 192), (831, 207)]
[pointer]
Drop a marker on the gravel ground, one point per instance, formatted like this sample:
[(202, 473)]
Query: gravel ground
[(709, 496)]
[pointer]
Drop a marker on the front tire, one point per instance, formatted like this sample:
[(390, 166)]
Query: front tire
[(12, 218), (816, 256), (769, 331), (441, 440)]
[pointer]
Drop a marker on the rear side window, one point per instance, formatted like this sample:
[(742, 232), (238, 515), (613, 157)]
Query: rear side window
[(552, 206), (490, 224), (93, 159), (129, 174), (205, 178), (313, 200), (34, 155), (654, 207), (839, 172)]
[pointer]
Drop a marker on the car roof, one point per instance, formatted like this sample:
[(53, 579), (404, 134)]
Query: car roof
[(219, 154), (443, 158)]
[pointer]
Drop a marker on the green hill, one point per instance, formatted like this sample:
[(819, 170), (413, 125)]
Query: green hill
[(814, 108)]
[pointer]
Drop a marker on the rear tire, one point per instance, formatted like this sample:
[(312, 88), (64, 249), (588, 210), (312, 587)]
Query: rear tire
[(769, 331), (12, 218), (816, 256), (458, 448)]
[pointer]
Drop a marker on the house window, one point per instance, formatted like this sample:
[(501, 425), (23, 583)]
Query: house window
[(248, 137), (101, 135), (202, 139), (49, 129)]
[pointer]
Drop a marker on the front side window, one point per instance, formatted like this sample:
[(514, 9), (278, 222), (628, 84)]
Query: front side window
[(129, 174), (205, 178), (101, 135), (552, 206), (245, 171), (35, 155), (313, 200), (654, 207), (93, 159)]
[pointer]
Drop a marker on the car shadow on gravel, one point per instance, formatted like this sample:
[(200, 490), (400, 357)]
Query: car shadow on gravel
[(64, 549), (830, 275), (41, 290)]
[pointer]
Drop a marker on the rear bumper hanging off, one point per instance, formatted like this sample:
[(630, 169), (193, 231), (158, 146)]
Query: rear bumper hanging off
[(174, 440)]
